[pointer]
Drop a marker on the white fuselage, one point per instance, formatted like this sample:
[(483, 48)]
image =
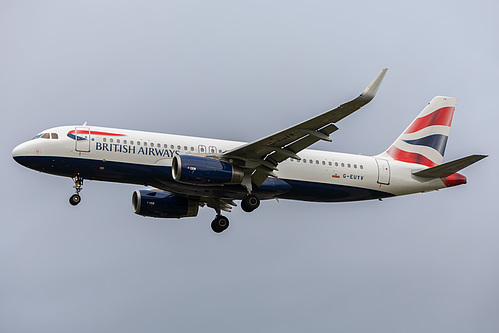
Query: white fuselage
[(129, 149)]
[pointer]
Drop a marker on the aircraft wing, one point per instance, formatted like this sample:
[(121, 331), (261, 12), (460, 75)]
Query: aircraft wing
[(265, 154)]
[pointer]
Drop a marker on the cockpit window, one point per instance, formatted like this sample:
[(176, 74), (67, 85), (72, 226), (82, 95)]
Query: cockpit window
[(47, 136)]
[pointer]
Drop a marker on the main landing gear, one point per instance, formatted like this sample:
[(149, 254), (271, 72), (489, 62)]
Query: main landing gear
[(221, 223), (250, 203), (75, 198)]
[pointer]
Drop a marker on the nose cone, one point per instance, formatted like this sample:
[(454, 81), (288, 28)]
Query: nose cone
[(16, 152), (21, 153)]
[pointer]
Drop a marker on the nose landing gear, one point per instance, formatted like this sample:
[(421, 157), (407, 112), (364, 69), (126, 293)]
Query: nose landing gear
[(75, 198)]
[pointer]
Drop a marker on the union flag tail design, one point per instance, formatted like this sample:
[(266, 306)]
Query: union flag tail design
[(424, 141)]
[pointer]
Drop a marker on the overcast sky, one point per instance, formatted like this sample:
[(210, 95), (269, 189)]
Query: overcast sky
[(242, 70)]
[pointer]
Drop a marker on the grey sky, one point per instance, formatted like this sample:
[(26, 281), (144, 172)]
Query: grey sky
[(231, 70)]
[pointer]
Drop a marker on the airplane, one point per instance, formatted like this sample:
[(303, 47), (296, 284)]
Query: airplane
[(183, 173)]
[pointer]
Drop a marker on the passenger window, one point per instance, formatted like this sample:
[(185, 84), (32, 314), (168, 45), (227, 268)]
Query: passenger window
[(185, 148), (111, 140), (355, 166), (166, 146), (335, 163), (304, 160), (316, 161), (330, 164), (124, 142), (178, 147), (54, 136), (172, 147), (342, 165), (117, 140), (192, 148), (131, 142), (138, 143), (103, 139), (349, 165), (361, 166), (311, 161)]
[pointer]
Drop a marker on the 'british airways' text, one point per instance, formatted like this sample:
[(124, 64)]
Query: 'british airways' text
[(127, 149)]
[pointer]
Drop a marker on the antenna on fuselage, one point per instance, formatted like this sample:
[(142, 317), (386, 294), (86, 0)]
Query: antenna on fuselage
[(84, 124)]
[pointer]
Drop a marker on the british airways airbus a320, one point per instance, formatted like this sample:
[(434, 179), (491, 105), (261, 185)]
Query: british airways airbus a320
[(184, 173)]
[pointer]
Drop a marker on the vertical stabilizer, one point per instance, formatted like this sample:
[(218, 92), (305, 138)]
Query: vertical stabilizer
[(424, 141)]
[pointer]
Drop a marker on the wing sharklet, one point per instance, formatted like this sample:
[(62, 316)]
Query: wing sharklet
[(373, 87)]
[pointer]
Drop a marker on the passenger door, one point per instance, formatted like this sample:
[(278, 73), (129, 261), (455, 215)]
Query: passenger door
[(82, 139)]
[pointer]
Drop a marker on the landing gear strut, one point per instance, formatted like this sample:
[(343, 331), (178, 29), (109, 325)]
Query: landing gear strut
[(75, 198)]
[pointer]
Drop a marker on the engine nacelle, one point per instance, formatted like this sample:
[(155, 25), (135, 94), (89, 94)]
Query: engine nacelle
[(163, 204), (205, 171)]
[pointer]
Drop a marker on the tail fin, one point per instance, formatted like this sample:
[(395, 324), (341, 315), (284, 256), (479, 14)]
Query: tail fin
[(424, 141)]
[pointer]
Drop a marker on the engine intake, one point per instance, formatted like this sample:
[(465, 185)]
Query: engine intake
[(205, 171), (163, 204)]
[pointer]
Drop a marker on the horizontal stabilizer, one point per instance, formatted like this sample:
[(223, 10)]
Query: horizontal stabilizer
[(449, 168)]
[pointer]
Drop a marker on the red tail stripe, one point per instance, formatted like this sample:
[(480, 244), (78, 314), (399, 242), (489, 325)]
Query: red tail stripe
[(405, 156), (442, 117)]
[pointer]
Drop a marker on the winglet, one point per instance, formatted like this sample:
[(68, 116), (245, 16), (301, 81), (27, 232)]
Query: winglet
[(373, 87)]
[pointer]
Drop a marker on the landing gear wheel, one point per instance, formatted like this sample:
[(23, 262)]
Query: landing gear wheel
[(74, 199), (250, 203), (219, 224)]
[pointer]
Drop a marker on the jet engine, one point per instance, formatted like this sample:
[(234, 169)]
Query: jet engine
[(200, 170), (163, 204)]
